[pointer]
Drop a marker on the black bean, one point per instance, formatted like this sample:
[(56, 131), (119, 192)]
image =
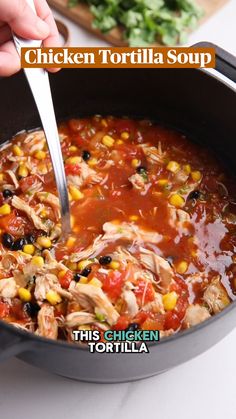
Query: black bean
[(77, 277), (7, 240), (86, 155), (30, 238), (194, 195), (86, 271), (7, 193), (132, 327), (141, 170), (31, 309), (19, 244), (105, 260)]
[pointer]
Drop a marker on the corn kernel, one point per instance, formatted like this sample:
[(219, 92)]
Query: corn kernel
[(74, 160), (72, 220), (5, 209), (40, 155), (173, 166), (73, 148), (44, 242), (108, 141), (182, 267), (24, 294), (72, 266), (162, 182), (29, 249), (83, 263), (135, 163), (53, 297), (104, 123), (92, 162), (37, 261), (61, 273), (169, 300), (1, 177), (133, 217), (17, 151), (196, 175), (119, 142), (187, 169), (43, 213), (42, 169), (176, 200), (84, 327), (83, 280), (70, 241), (23, 171), (124, 135), (114, 264), (76, 194), (95, 282)]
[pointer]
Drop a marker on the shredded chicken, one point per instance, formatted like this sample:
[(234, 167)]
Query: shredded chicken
[(96, 297), (215, 296), (13, 178), (47, 324), (52, 200), (154, 155), (130, 300), (8, 288), (35, 141), (129, 231), (47, 282), (178, 218), (138, 181), (156, 306), (158, 266), (19, 204), (195, 314), (78, 318), (86, 176), (91, 251)]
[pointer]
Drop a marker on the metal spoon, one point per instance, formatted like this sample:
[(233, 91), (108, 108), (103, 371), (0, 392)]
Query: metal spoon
[(40, 87)]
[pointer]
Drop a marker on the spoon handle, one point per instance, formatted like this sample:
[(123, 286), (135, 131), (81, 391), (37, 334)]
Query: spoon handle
[(40, 87)]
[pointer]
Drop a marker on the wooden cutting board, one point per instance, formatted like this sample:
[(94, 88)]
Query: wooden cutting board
[(81, 15)]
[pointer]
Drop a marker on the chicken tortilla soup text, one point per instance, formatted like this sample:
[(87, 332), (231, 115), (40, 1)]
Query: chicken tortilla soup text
[(153, 240)]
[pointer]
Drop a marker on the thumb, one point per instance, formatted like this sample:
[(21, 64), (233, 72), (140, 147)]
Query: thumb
[(23, 20)]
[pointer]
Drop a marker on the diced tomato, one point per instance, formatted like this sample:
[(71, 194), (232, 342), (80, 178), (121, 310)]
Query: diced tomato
[(153, 324), (4, 310), (127, 125), (129, 151), (72, 169), (13, 224), (76, 125), (27, 182), (172, 321), (66, 279), (112, 284), (122, 323), (16, 310), (144, 292), (141, 316)]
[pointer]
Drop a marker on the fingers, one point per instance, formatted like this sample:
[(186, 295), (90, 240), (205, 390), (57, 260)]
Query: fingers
[(9, 59), (5, 34), (22, 19), (53, 40)]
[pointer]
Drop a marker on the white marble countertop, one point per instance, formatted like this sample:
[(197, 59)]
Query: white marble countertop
[(202, 388)]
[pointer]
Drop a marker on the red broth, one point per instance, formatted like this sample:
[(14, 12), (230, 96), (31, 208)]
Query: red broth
[(153, 231)]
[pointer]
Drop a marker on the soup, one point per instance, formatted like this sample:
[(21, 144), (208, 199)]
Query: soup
[(153, 237)]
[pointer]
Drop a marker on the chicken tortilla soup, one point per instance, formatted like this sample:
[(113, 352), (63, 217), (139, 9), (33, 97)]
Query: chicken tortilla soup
[(153, 237)]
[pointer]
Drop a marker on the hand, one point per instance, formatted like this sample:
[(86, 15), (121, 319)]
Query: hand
[(17, 16)]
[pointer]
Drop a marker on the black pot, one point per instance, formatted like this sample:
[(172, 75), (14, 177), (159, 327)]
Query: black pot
[(191, 100)]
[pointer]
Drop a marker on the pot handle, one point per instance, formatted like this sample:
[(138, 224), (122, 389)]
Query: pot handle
[(12, 344), (225, 62)]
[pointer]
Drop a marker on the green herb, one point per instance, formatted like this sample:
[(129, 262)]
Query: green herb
[(145, 21)]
